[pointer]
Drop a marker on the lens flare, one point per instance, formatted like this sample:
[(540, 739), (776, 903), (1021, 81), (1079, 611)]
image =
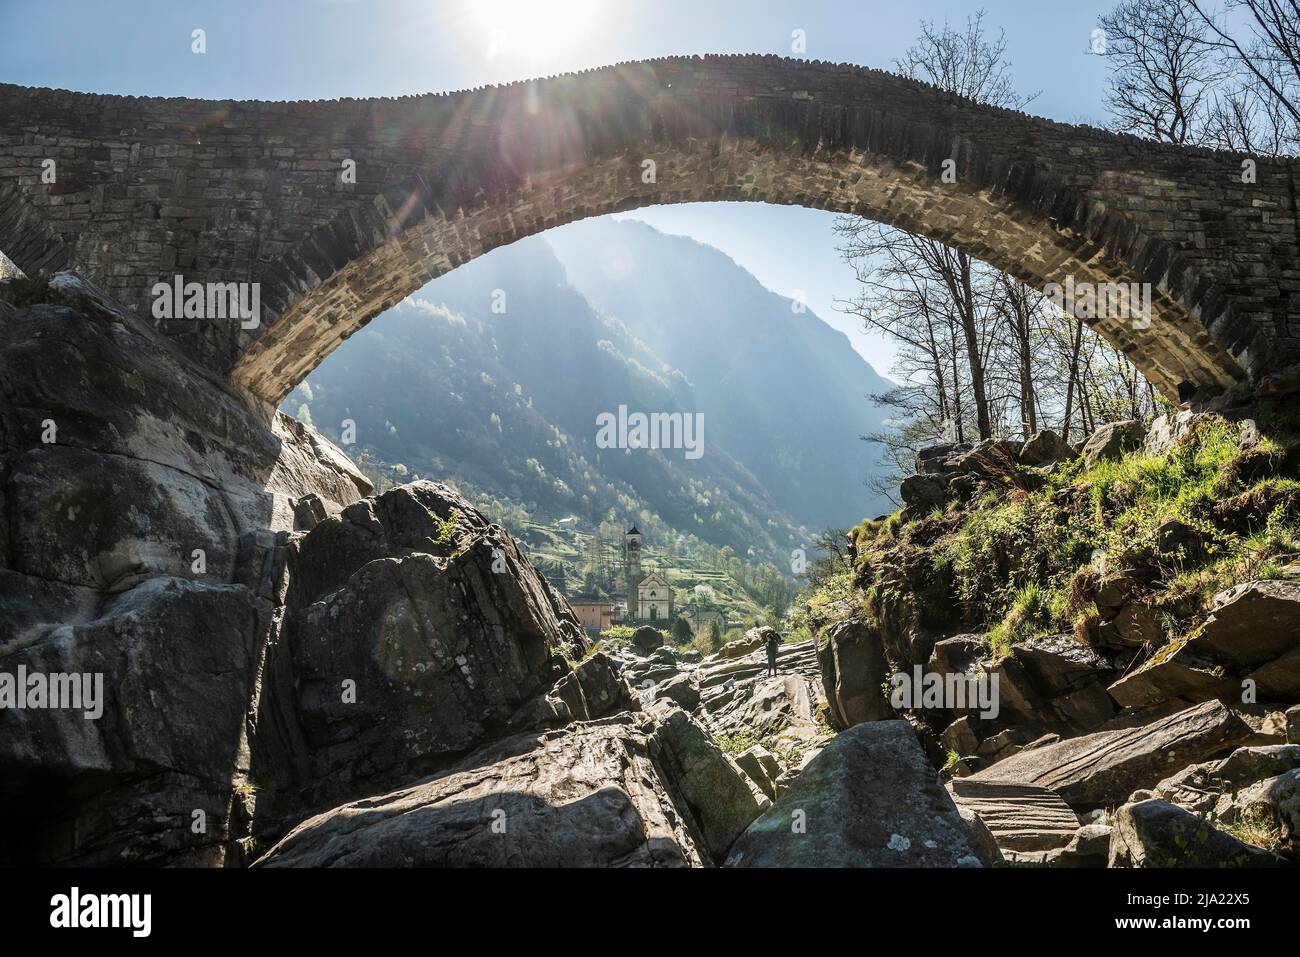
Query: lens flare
[(524, 28)]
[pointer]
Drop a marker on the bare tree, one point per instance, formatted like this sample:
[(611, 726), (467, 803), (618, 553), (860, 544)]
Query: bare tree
[(1268, 49), (1189, 71), (979, 352), (1162, 68), (969, 62), (921, 292)]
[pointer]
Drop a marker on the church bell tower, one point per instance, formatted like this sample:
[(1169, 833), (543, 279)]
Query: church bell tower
[(632, 570)]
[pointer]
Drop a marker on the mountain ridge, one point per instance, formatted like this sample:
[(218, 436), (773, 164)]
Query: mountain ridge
[(505, 367)]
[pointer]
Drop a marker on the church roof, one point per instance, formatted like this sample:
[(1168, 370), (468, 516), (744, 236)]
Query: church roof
[(633, 531)]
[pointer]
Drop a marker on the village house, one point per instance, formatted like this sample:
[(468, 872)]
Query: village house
[(594, 612)]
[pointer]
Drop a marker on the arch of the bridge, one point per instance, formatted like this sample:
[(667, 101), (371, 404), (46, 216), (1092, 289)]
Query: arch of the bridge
[(252, 192), (28, 241), (315, 309), (350, 271)]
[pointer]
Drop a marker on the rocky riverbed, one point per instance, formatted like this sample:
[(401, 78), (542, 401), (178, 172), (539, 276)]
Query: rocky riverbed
[(299, 673)]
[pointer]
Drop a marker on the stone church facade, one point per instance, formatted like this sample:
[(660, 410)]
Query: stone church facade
[(655, 599), (649, 598)]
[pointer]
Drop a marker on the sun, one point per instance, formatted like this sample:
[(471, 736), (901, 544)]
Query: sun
[(533, 30)]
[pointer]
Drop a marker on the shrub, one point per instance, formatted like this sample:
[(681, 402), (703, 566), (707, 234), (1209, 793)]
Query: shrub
[(1031, 615), (681, 631), (617, 633)]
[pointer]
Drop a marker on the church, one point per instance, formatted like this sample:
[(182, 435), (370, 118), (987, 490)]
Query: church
[(649, 598)]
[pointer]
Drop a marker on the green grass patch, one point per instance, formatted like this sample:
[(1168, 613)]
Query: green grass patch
[(1015, 556)]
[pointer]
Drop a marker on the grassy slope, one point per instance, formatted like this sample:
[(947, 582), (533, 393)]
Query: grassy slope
[(1020, 563)]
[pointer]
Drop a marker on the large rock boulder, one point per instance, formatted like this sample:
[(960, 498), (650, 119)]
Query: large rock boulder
[(1253, 633), (923, 493), (414, 631), (960, 654), (1252, 624), (1112, 441), (989, 458), (854, 671), (721, 798), (753, 640), (681, 689), (136, 488), (869, 799), (589, 795), (1055, 681), (933, 458), (1273, 803), (1105, 767), (960, 736), (1090, 847), (1174, 674), (1155, 833), (1168, 430), (1200, 788), (646, 671), (646, 639), (116, 779), (605, 690), (134, 422), (1045, 446)]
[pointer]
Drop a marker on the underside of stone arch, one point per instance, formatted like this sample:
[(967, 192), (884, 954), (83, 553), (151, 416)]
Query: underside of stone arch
[(1176, 353), (340, 209)]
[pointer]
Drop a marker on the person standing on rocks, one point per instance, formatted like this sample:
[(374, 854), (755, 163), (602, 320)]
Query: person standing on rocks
[(773, 642)]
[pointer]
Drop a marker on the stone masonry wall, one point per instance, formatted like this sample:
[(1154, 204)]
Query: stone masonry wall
[(252, 192)]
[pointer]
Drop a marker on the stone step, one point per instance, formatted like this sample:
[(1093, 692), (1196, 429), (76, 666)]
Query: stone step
[(1021, 817)]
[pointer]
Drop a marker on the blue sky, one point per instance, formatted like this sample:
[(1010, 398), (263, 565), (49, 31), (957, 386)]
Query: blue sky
[(322, 49)]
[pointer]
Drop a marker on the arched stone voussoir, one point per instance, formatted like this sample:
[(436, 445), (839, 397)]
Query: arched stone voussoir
[(256, 192)]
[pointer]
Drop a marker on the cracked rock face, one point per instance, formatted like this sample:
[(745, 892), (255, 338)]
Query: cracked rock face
[(128, 479), (147, 541), (1105, 767), (584, 796), (177, 659), (633, 790), (268, 642), (869, 799), (118, 459), (414, 631)]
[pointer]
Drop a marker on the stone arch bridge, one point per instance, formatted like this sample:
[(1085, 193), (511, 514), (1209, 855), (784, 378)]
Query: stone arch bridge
[(256, 192)]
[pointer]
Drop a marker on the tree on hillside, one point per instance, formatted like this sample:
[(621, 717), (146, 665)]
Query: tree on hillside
[(681, 631), (833, 557), (979, 353), (940, 288)]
